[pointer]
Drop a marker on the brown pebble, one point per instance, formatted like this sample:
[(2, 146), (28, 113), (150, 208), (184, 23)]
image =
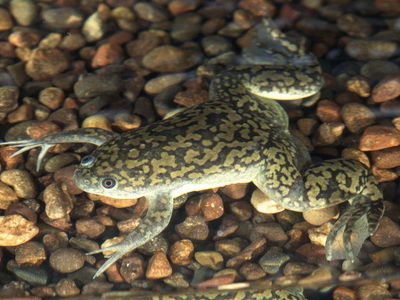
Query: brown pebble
[(272, 231), (7, 196), (386, 158), (235, 191), (44, 64), (320, 216), (67, 288), (343, 293), (242, 210), (107, 54), (132, 268), (8, 98), (379, 137), (298, 268), (97, 287), (248, 253), (177, 7), (168, 58), (6, 22), (194, 228), (306, 125), (89, 227), (231, 247), (251, 271), (216, 281), (387, 233), (328, 133), (30, 254), (40, 130), (113, 274), (357, 116), (314, 254), (328, 111), (58, 202), (359, 85), (64, 176), (181, 252), (384, 175), (67, 260), (158, 267), (212, 206), (355, 154), (16, 230), (387, 89), (263, 204), (52, 97), (209, 259), (7, 161), (373, 291)]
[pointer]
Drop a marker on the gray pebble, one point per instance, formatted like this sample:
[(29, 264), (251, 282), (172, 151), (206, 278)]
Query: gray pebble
[(24, 11), (273, 260), (62, 18)]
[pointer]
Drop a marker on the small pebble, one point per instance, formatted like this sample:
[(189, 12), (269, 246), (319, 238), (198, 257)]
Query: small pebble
[(150, 12), (67, 260), (263, 204), (93, 28), (177, 281), (58, 202), (371, 49), (181, 252), (320, 216), (387, 234), (373, 291), (355, 154), (359, 85), (168, 58), (216, 282), (379, 137), (328, 133), (16, 230), (7, 196), (235, 191), (62, 18), (387, 89), (298, 268), (21, 181), (158, 267), (96, 85), (67, 288), (248, 253), (44, 64), (24, 11), (273, 260), (231, 247), (97, 287), (107, 54), (52, 97), (319, 277), (132, 268), (160, 83), (272, 231), (251, 271), (328, 111), (177, 7), (343, 293), (193, 228), (6, 22), (30, 254), (212, 206), (354, 26), (318, 235), (386, 158), (209, 259), (8, 98), (89, 227)]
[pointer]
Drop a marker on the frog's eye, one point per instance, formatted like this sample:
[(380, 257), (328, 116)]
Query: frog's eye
[(87, 161), (108, 182)]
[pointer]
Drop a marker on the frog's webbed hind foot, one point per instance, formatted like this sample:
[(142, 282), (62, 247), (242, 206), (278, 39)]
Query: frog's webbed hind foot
[(357, 223), (157, 218), (94, 136)]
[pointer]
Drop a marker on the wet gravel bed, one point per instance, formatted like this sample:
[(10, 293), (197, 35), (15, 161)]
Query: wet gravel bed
[(122, 64)]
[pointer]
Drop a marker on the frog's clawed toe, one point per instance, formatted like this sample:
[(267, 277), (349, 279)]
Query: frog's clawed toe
[(27, 145), (348, 234)]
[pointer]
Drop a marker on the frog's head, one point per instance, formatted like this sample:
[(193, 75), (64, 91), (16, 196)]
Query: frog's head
[(98, 174)]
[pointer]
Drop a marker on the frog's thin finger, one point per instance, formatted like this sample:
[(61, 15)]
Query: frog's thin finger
[(102, 250), (108, 263), (43, 151), (24, 149), (15, 143)]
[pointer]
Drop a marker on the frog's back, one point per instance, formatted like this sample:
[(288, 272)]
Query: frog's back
[(212, 141)]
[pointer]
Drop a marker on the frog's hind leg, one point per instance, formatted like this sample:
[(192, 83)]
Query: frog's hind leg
[(335, 181), (94, 136), (157, 218)]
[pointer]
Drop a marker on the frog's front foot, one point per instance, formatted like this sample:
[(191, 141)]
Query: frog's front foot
[(157, 218), (94, 136), (357, 223)]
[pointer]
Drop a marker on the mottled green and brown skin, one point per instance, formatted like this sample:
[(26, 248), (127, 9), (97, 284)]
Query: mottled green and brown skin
[(240, 135)]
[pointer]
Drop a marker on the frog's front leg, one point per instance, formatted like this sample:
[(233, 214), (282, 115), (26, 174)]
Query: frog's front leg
[(326, 184), (94, 136), (157, 218)]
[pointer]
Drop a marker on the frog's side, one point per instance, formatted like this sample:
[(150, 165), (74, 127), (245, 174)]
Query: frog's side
[(239, 135)]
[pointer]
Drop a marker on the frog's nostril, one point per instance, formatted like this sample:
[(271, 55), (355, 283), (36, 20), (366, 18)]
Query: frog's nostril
[(87, 161)]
